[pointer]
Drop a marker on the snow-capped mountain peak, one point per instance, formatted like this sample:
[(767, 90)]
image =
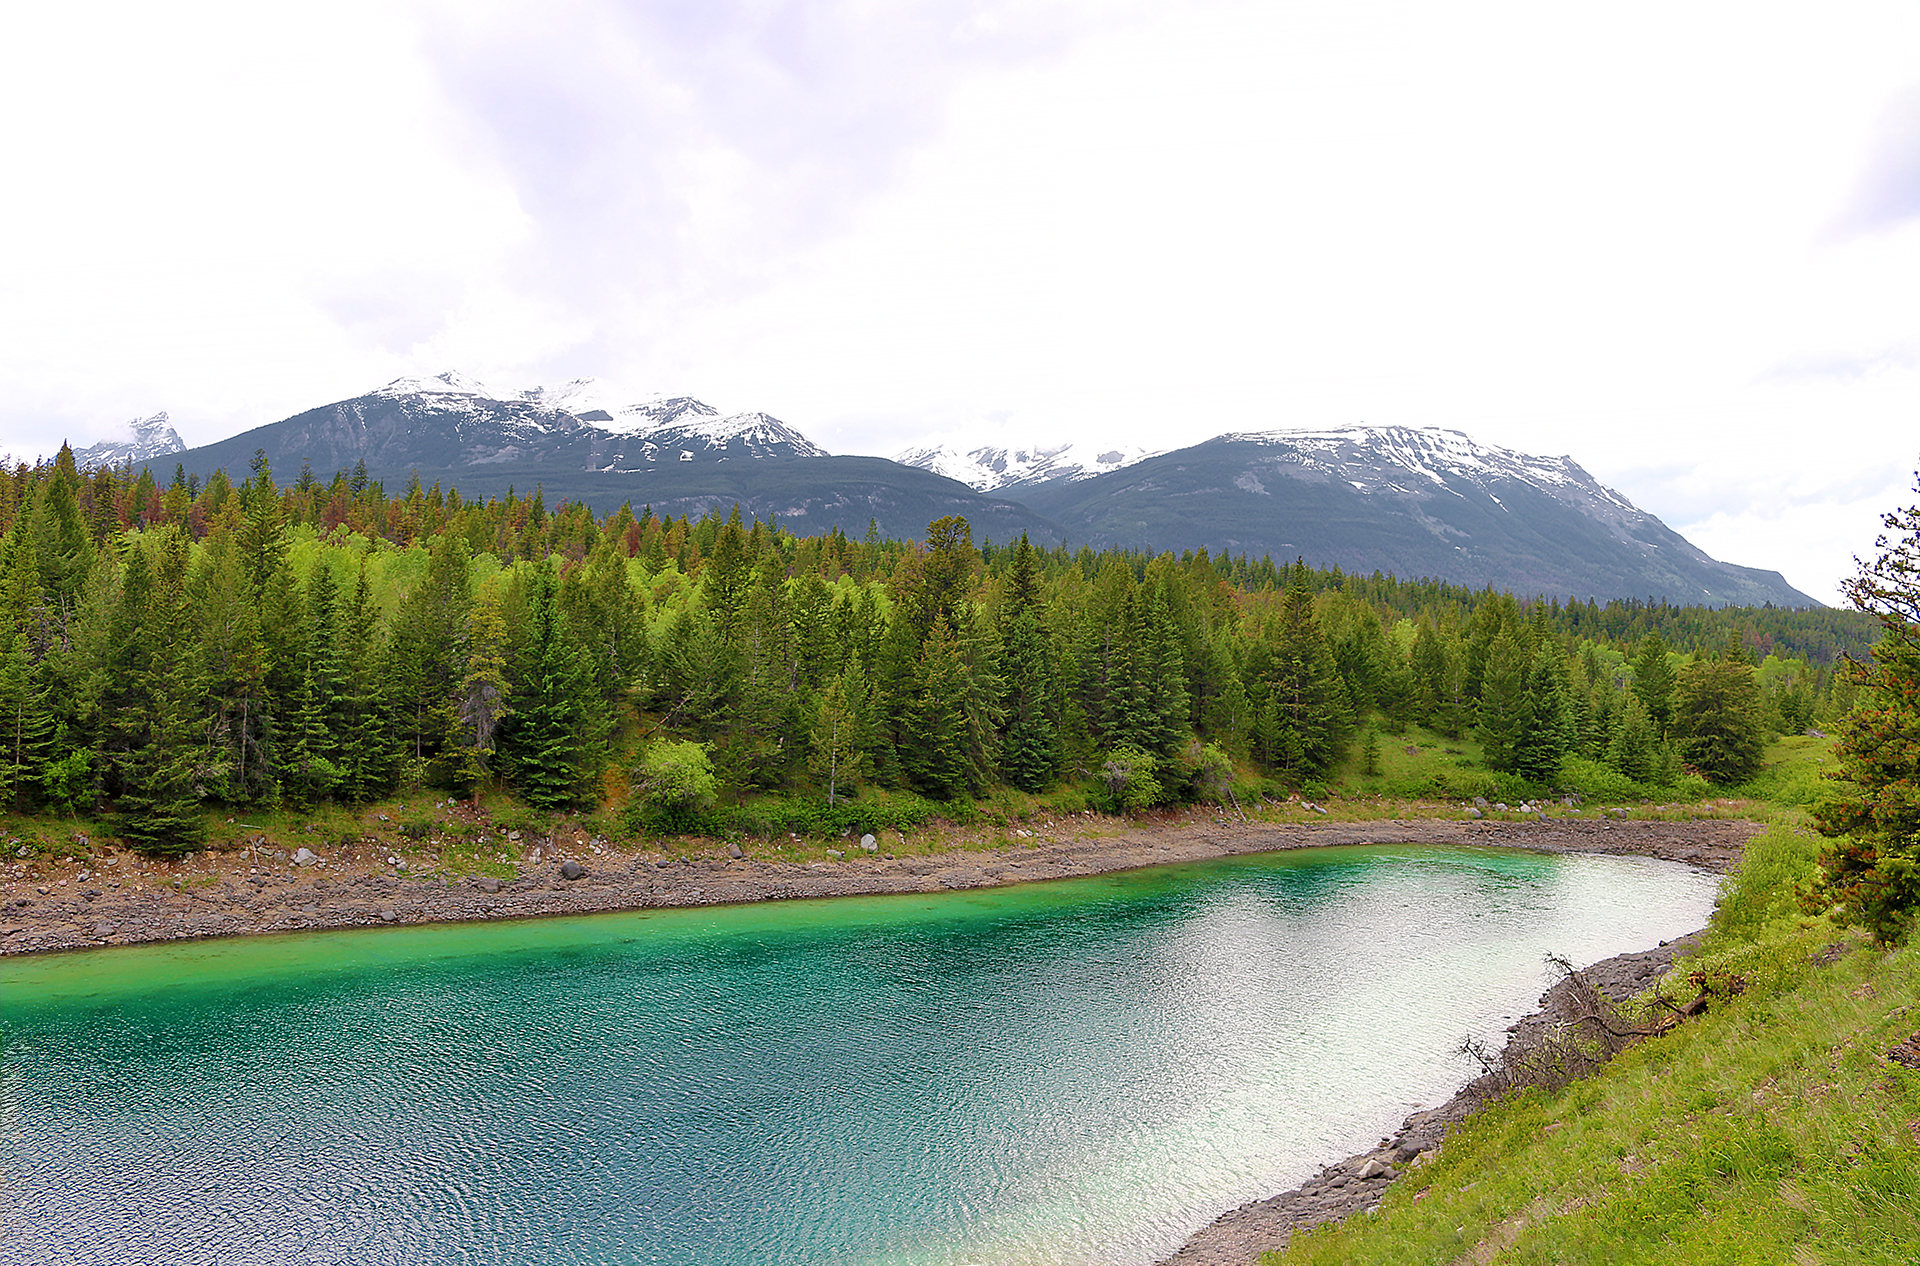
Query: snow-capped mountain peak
[(152, 437), (450, 383), (992, 469)]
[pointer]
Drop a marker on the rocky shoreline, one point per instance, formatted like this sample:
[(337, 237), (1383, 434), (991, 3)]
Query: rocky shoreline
[(120, 899), (1356, 1184)]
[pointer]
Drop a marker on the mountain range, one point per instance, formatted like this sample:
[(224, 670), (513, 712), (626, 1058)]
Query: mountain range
[(1411, 502)]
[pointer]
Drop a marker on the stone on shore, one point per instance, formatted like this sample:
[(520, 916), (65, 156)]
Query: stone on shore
[(869, 843), (305, 857), (733, 850), (571, 869)]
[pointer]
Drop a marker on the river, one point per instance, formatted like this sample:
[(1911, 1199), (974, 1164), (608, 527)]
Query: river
[(1079, 1072)]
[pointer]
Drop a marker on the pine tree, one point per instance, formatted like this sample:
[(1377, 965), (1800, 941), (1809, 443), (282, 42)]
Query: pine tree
[(1653, 681), (481, 701), (838, 747), (364, 736), (26, 714), (160, 781), (1716, 718), (1303, 720), (553, 748), (1633, 747), (1526, 724), (1029, 753), (1503, 714), (1870, 872), (946, 750)]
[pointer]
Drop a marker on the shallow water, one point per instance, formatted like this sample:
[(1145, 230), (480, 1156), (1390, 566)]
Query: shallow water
[(1078, 1072)]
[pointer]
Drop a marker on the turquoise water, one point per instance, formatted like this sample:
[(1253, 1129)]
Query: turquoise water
[(1079, 1072)]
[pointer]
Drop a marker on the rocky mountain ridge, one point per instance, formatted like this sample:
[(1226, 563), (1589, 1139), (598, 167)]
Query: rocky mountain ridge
[(1410, 501)]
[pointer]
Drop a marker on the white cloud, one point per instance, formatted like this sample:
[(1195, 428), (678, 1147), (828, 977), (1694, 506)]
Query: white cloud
[(1609, 233)]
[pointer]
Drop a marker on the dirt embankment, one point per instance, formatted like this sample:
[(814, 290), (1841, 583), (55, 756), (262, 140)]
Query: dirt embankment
[(120, 899)]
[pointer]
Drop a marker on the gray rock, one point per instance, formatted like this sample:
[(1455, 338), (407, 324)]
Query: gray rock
[(733, 850), (487, 883), (1475, 813), (305, 857), (869, 843), (387, 916), (1481, 802), (571, 869), (1375, 1168), (834, 853)]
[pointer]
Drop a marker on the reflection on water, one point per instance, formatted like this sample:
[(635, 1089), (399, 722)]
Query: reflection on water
[(1074, 1072)]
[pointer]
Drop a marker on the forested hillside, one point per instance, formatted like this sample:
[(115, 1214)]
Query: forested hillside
[(169, 650)]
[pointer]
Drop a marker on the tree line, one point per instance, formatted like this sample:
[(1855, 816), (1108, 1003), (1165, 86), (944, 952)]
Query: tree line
[(166, 649)]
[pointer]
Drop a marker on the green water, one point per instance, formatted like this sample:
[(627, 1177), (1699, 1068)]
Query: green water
[(1076, 1072)]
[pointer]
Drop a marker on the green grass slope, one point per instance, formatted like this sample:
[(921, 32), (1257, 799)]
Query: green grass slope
[(1773, 1129)]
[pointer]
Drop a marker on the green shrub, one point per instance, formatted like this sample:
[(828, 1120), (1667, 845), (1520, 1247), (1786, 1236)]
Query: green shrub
[(673, 790), (1596, 781), (777, 815), (1131, 784)]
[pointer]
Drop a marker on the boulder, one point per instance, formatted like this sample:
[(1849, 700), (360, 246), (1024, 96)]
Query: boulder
[(1375, 1168), (571, 869), (1475, 813), (305, 857), (835, 854), (733, 850), (487, 883), (869, 843)]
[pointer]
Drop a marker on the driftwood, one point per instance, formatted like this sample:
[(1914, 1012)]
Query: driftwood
[(1579, 1029)]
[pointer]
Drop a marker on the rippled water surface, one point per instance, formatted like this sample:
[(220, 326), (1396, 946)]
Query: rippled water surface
[(1077, 1072)]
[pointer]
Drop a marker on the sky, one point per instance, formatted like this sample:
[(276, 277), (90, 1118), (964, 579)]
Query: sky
[(1680, 243)]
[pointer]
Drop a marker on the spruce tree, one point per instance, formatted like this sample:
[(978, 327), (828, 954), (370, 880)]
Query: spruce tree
[(938, 751), (1870, 872), (1653, 681), (553, 748), (160, 789), (1029, 753), (481, 700), (1303, 719), (1716, 718), (1633, 747)]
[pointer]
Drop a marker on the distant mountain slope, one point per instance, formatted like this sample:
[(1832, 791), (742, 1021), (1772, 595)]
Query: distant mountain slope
[(673, 452), (1411, 502), (805, 495), (1001, 469), (449, 422)]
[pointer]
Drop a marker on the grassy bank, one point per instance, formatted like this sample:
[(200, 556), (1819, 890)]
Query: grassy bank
[(1773, 1128)]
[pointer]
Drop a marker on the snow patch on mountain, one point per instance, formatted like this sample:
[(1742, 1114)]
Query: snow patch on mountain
[(1376, 458), (450, 383), (645, 429), (991, 469)]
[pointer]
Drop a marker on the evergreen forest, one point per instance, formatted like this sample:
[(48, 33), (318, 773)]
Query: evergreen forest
[(167, 652)]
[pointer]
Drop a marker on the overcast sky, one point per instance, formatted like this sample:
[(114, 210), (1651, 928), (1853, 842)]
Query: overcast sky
[(1680, 242)]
